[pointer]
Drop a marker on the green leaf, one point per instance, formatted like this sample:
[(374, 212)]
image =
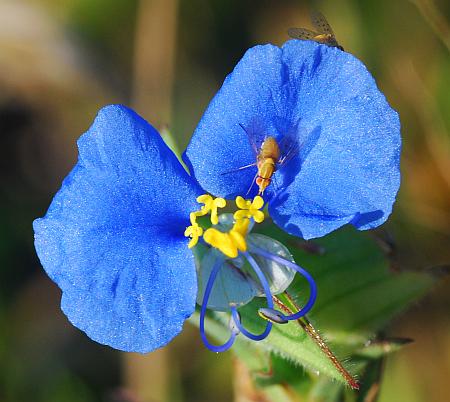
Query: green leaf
[(357, 293), (357, 296), (290, 342)]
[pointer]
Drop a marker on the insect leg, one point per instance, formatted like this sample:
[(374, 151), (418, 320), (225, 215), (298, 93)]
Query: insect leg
[(251, 185)]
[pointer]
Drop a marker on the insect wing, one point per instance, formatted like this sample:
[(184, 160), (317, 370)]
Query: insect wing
[(289, 152), (321, 24), (302, 33), (251, 139), (291, 144)]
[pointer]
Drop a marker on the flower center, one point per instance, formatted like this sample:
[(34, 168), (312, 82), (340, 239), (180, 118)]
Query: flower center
[(268, 259), (233, 240)]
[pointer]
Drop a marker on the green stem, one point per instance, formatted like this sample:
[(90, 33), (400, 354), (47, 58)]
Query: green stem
[(286, 303)]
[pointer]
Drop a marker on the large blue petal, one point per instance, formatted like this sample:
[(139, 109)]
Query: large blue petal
[(327, 104), (349, 167), (113, 240)]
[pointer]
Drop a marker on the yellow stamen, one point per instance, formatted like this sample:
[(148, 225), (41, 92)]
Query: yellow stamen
[(193, 218), (238, 233), (249, 209), (241, 226), (211, 205), (194, 232), (233, 241), (229, 243)]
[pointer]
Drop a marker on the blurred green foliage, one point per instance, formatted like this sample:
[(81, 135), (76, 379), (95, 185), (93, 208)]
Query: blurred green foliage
[(61, 61)]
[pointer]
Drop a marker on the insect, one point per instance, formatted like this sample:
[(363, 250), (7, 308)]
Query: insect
[(266, 162), (323, 35), (270, 155)]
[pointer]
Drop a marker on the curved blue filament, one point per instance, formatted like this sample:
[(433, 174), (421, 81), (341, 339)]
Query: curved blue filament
[(227, 345), (312, 285), (268, 293)]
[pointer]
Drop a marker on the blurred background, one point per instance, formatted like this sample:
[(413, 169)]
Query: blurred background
[(60, 61)]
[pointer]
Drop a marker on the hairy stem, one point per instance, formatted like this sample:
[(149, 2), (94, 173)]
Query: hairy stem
[(315, 336)]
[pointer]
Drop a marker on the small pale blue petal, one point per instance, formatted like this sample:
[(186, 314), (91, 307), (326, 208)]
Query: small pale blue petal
[(232, 287), (113, 240)]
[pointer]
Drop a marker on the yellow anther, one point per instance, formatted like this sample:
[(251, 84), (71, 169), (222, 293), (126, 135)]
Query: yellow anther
[(233, 241), (241, 226), (210, 205), (194, 232), (242, 203), (221, 241), (229, 243), (207, 200), (239, 240), (249, 209), (217, 203)]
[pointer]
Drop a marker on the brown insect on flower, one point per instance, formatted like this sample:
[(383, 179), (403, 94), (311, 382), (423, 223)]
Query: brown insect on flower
[(270, 155), (323, 35)]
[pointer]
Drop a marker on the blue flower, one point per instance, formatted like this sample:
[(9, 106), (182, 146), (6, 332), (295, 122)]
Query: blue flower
[(115, 238), (341, 138)]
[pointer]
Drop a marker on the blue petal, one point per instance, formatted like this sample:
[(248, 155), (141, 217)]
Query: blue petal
[(113, 240), (327, 104), (219, 145), (349, 168)]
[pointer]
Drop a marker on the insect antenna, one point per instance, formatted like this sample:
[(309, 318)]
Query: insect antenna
[(238, 169)]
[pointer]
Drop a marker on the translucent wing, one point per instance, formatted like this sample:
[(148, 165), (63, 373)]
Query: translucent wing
[(251, 140), (302, 33), (320, 23), (291, 152), (291, 144)]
